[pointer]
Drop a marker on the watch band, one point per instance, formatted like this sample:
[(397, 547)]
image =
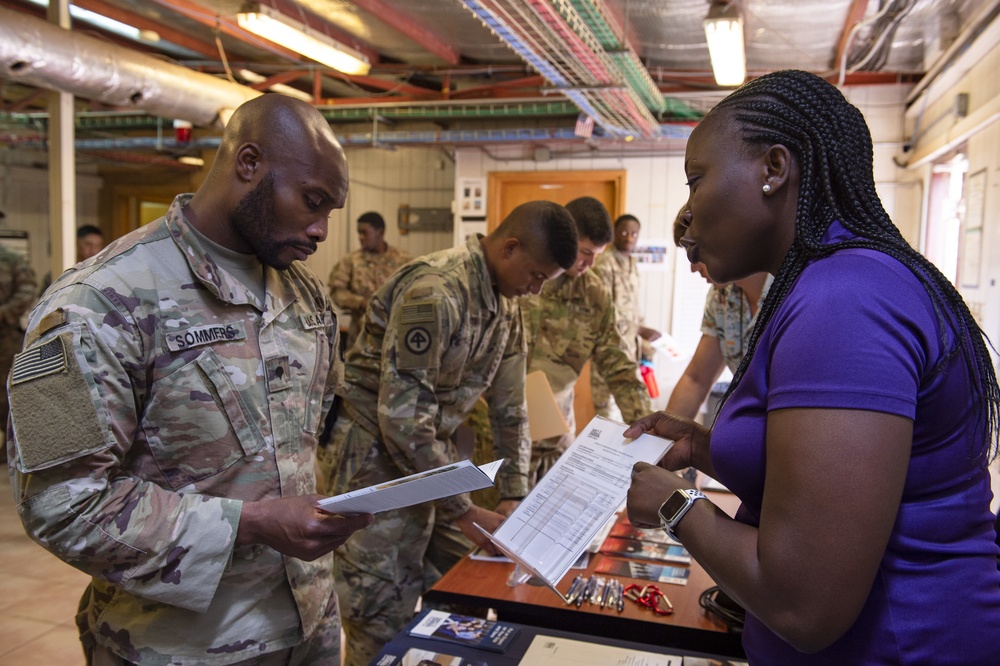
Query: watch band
[(676, 507)]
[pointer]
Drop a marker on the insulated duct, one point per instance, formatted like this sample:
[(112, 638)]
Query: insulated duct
[(42, 54)]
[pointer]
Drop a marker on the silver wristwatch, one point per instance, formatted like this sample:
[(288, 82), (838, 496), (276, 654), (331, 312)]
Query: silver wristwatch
[(675, 508)]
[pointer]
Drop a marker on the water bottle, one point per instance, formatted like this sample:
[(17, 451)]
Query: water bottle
[(646, 369)]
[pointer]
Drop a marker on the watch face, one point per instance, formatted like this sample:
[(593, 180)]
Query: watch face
[(673, 504)]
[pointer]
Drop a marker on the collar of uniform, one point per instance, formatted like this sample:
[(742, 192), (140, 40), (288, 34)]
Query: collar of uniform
[(478, 258), (551, 287), (216, 279), (623, 259)]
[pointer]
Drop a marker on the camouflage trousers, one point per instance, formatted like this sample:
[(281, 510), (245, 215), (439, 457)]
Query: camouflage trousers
[(382, 570), (321, 648)]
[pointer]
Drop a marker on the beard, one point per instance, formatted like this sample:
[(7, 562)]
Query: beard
[(255, 219)]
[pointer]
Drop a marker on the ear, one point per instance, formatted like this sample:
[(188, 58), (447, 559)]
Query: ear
[(509, 245), (247, 161), (778, 165)]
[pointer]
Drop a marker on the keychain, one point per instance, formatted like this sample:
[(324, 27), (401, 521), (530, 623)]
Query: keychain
[(650, 597)]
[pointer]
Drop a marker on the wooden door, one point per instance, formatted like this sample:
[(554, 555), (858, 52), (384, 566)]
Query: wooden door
[(509, 189)]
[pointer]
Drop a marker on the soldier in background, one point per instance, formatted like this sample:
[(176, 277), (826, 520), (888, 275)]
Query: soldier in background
[(358, 275), (571, 321), (166, 406), (89, 241), (727, 322), (617, 269), (17, 293), (440, 333)]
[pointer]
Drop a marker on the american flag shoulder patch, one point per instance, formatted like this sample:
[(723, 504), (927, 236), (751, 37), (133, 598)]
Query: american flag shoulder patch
[(46, 359), (416, 313)]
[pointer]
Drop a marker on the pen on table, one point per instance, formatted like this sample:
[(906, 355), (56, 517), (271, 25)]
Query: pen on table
[(595, 595), (587, 590), (607, 592), (573, 588), (621, 597)]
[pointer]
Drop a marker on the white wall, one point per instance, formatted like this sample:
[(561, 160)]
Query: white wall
[(24, 197), (383, 180)]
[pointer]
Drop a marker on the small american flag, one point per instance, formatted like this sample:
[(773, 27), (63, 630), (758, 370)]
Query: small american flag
[(584, 126), (417, 313), (40, 361)]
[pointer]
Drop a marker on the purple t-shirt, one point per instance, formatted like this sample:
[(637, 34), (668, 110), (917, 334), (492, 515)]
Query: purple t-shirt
[(859, 331)]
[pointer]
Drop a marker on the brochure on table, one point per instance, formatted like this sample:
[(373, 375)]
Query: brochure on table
[(558, 519), (444, 481)]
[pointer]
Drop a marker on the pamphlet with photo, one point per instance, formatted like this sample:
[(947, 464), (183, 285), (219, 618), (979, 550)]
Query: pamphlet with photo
[(466, 630)]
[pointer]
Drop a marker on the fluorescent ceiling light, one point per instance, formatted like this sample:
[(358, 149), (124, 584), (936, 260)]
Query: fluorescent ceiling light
[(191, 160), (254, 77), (111, 25), (280, 29), (724, 32)]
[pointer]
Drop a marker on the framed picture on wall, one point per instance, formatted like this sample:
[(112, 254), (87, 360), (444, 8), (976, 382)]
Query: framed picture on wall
[(972, 230), (472, 197)]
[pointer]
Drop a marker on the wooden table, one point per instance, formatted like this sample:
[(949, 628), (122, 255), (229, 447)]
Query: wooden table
[(484, 585)]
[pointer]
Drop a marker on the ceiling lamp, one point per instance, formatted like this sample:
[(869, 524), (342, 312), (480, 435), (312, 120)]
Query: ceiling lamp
[(284, 31), (724, 32)]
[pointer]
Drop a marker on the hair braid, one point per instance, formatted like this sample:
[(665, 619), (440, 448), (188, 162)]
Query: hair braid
[(833, 146)]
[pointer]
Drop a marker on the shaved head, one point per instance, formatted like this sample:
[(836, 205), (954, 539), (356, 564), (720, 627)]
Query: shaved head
[(278, 175)]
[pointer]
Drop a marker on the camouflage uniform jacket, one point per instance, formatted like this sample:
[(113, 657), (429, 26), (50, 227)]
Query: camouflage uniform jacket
[(356, 277), (571, 321), (727, 317), (437, 337), (155, 395), (620, 275), (17, 287)]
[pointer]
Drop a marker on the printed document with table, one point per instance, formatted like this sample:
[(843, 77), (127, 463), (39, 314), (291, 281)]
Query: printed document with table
[(558, 519)]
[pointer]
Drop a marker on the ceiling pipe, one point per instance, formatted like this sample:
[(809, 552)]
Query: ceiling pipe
[(386, 138), (39, 53)]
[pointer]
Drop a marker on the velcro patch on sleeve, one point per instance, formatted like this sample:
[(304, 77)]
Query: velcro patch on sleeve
[(418, 337), (50, 321), (52, 408)]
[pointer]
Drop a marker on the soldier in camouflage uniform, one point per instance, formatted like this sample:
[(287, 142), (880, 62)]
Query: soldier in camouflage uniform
[(17, 293), (356, 277), (617, 270), (573, 320), (166, 406), (727, 322), (441, 332)]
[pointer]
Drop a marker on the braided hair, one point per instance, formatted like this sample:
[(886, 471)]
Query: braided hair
[(833, 146)]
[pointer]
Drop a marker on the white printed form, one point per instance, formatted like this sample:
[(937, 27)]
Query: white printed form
[(552, 651), (559, 518)]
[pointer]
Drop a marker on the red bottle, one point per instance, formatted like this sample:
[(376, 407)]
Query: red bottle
[(646, 369)]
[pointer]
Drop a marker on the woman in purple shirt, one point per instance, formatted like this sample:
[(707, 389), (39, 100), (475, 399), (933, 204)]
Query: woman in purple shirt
[(858, 429)]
